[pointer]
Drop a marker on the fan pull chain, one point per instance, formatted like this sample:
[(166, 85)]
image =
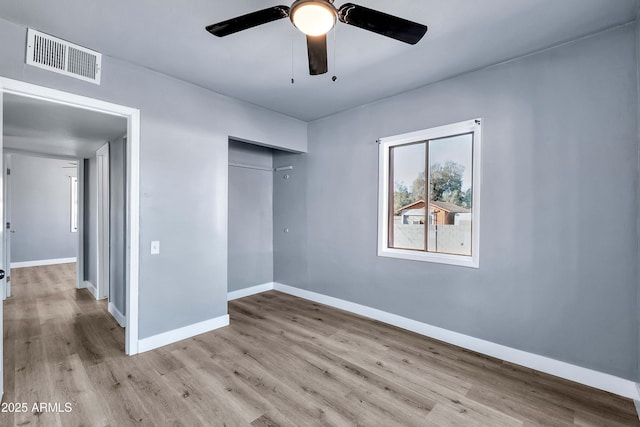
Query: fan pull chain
[(335, 64), (292, 68)]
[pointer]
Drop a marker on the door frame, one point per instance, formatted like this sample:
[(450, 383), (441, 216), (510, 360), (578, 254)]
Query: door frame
[(3, 259), (102, 163), (132, 115), (6, 166), (80, 251)]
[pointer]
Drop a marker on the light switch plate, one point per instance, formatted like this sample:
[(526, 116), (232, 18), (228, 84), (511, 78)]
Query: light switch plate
[(155, 247)]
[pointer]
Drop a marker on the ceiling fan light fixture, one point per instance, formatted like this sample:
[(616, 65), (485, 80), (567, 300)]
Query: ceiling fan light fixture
[(313, 17)]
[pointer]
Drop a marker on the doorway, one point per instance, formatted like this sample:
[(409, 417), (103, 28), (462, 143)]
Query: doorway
[(40, 211), (9, 87), (46, 141)]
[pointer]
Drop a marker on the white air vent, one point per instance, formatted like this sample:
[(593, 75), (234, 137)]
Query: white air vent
[(62, 57)]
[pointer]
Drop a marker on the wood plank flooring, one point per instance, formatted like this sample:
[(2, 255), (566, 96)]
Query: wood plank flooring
[(283, 361)]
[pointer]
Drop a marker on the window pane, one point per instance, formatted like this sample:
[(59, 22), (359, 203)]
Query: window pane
[(450, 173), (407, 216)]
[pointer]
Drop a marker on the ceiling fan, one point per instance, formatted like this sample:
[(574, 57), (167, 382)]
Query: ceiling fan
[(316, 18)]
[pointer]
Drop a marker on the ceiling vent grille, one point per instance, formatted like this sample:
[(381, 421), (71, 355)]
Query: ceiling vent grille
[(60, 56)]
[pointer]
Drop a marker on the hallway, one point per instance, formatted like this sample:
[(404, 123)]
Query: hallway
[(58, 340)]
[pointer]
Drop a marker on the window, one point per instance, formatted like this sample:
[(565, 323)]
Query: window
[(429, 195), (74, 204)]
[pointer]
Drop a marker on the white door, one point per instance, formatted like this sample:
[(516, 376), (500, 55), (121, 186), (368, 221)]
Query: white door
[(8, 226), (2, 234), (103, 222)]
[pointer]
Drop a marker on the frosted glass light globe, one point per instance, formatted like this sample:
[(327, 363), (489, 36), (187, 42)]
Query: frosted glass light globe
[(314, 18)]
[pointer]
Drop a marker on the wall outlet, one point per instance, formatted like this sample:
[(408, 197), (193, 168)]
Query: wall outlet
[(155, 247)]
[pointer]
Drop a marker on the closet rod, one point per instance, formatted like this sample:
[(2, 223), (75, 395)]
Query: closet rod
[(238, 165), (260, 168)]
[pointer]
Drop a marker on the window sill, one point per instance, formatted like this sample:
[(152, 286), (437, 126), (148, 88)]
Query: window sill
[(459, 260)]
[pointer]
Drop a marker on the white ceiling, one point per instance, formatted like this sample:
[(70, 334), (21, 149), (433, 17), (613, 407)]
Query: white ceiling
[(48, 128), (256, 65)]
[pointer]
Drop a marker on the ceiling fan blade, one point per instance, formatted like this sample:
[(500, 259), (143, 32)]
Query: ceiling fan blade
[(381, 23), (317, 51), (249, 20)]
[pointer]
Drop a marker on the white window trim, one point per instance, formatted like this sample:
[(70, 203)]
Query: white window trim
[(469, 126)]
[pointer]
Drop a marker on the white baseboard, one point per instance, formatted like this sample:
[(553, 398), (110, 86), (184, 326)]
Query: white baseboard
[(600, 380), (113, 310), (89, 286), (40, 262), (180, 334), (250, 291), (636, 402)]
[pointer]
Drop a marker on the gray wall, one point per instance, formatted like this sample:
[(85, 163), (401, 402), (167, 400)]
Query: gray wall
[(41, 209), (117, 225), (290, 265), (90, 216), (183, 177), (558, 269), (250, 239)]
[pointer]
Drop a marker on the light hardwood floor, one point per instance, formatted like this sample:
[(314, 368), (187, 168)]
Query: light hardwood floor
[(282, 361)]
